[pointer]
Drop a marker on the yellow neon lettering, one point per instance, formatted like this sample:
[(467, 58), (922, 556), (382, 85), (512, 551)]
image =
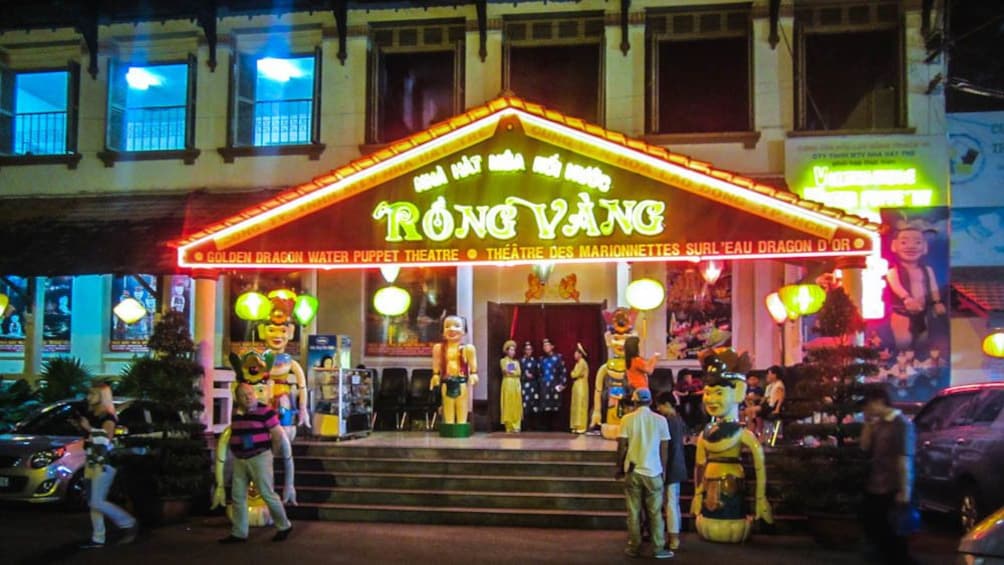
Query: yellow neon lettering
[(591, 177), (466, 167), (616, 216), (469, 221), (438, 223), (547, 166), (502, 221), (582, 220), (506, 161), (545, 228), (824, 177), (648, 215), (430, 180), (400, 216)]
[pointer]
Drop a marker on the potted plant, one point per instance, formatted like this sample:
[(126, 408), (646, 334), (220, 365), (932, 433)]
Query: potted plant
[(826, 484), (827, 384), (167, 469), (62, 378)]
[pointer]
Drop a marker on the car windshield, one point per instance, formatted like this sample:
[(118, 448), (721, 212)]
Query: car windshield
[(52, 420)]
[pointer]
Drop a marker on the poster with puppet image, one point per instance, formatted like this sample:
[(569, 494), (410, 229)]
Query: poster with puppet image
[(913, 336)]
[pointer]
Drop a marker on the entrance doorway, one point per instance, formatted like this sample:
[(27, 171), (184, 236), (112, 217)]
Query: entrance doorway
[(564, 324)]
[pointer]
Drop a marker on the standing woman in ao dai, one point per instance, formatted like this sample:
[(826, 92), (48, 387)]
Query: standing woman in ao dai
[(579, 413)]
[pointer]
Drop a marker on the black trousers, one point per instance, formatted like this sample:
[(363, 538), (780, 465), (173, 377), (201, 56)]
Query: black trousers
[(876, 517)]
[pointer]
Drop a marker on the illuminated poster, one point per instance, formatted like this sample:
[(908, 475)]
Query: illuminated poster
[(133, 337), (977, 237), (13, 325), (180, 297), (243, 334), (56, 318), (433, 294), (698, 312), (976, 157), (913, 337), (58, 314)]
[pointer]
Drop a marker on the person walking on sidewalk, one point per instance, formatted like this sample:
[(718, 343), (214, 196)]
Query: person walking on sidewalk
[(888, 437), (642, 457), (254, 434), (99, 423), (676, 471)]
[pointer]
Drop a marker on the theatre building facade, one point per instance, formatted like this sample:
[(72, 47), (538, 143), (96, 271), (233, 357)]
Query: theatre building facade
[(341, 153)]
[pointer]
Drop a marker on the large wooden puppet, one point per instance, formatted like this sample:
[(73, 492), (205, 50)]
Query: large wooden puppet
[(455, 369), (611, 387), (719, 502)]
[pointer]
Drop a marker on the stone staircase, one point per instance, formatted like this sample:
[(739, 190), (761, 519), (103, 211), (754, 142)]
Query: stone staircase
[(354, 482)]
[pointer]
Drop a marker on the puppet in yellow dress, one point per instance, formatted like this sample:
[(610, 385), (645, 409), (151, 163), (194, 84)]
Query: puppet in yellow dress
[(455, 370), (512, 393), (578, 417), (719, 502)]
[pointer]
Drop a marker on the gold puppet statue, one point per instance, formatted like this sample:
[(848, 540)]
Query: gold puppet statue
[(455, 369), (289, 383), (719, 502), (512, 389), (253, 369), (611, 388), (580, 391)]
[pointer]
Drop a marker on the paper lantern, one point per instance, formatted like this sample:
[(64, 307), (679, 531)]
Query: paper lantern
[(129, 310), (802, 299), (392, 301), (4, 301), (390, 272), (776, 308), (993, 344), (252, 306), (305, 309), (645, 294)]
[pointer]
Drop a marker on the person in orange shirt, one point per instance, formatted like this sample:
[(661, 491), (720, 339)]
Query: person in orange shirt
[(638, 369)]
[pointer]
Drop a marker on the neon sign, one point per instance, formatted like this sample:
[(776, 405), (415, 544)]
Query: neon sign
[(406, 222), (509, 161)]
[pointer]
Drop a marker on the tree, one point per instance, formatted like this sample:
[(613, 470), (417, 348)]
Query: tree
[(172, 461)]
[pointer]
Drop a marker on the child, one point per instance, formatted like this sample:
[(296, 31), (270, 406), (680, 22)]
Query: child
[(676, 471), (638, 369)]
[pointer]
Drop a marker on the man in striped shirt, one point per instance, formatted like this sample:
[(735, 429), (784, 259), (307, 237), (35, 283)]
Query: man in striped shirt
[(254, 434)]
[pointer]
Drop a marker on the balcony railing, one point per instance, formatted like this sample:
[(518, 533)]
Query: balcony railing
[(40, 133), (282, 122), (155, 128)]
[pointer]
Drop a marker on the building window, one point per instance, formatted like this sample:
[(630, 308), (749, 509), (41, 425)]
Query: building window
[(849, 66), (557, 62), (151, 107), (416, 78), (38, 111), (683, 96), (276, 100)]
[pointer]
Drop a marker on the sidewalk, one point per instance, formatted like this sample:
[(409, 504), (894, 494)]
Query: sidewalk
[(31, 535)]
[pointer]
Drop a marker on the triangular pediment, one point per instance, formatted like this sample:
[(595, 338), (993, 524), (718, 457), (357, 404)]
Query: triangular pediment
[(512, 182)]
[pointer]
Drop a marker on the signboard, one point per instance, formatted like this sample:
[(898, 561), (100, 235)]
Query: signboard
[(914, 337), (976, 158), (862, 174), (527, 196), (978, 237)]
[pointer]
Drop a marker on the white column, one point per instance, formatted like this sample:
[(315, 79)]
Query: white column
[(33, 330), (205, 338)]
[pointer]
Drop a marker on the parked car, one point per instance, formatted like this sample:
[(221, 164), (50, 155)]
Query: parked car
[(984, 544), (960, 452), (42, 458)]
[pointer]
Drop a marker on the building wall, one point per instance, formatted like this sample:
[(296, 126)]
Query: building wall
[(343, 121)]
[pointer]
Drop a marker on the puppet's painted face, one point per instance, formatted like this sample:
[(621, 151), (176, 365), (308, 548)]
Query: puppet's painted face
[(276, 336), (910, 245), (616, 343), (453, 328), (723, 401)]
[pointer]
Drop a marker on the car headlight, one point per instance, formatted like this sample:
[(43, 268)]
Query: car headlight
[(45, 458)]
